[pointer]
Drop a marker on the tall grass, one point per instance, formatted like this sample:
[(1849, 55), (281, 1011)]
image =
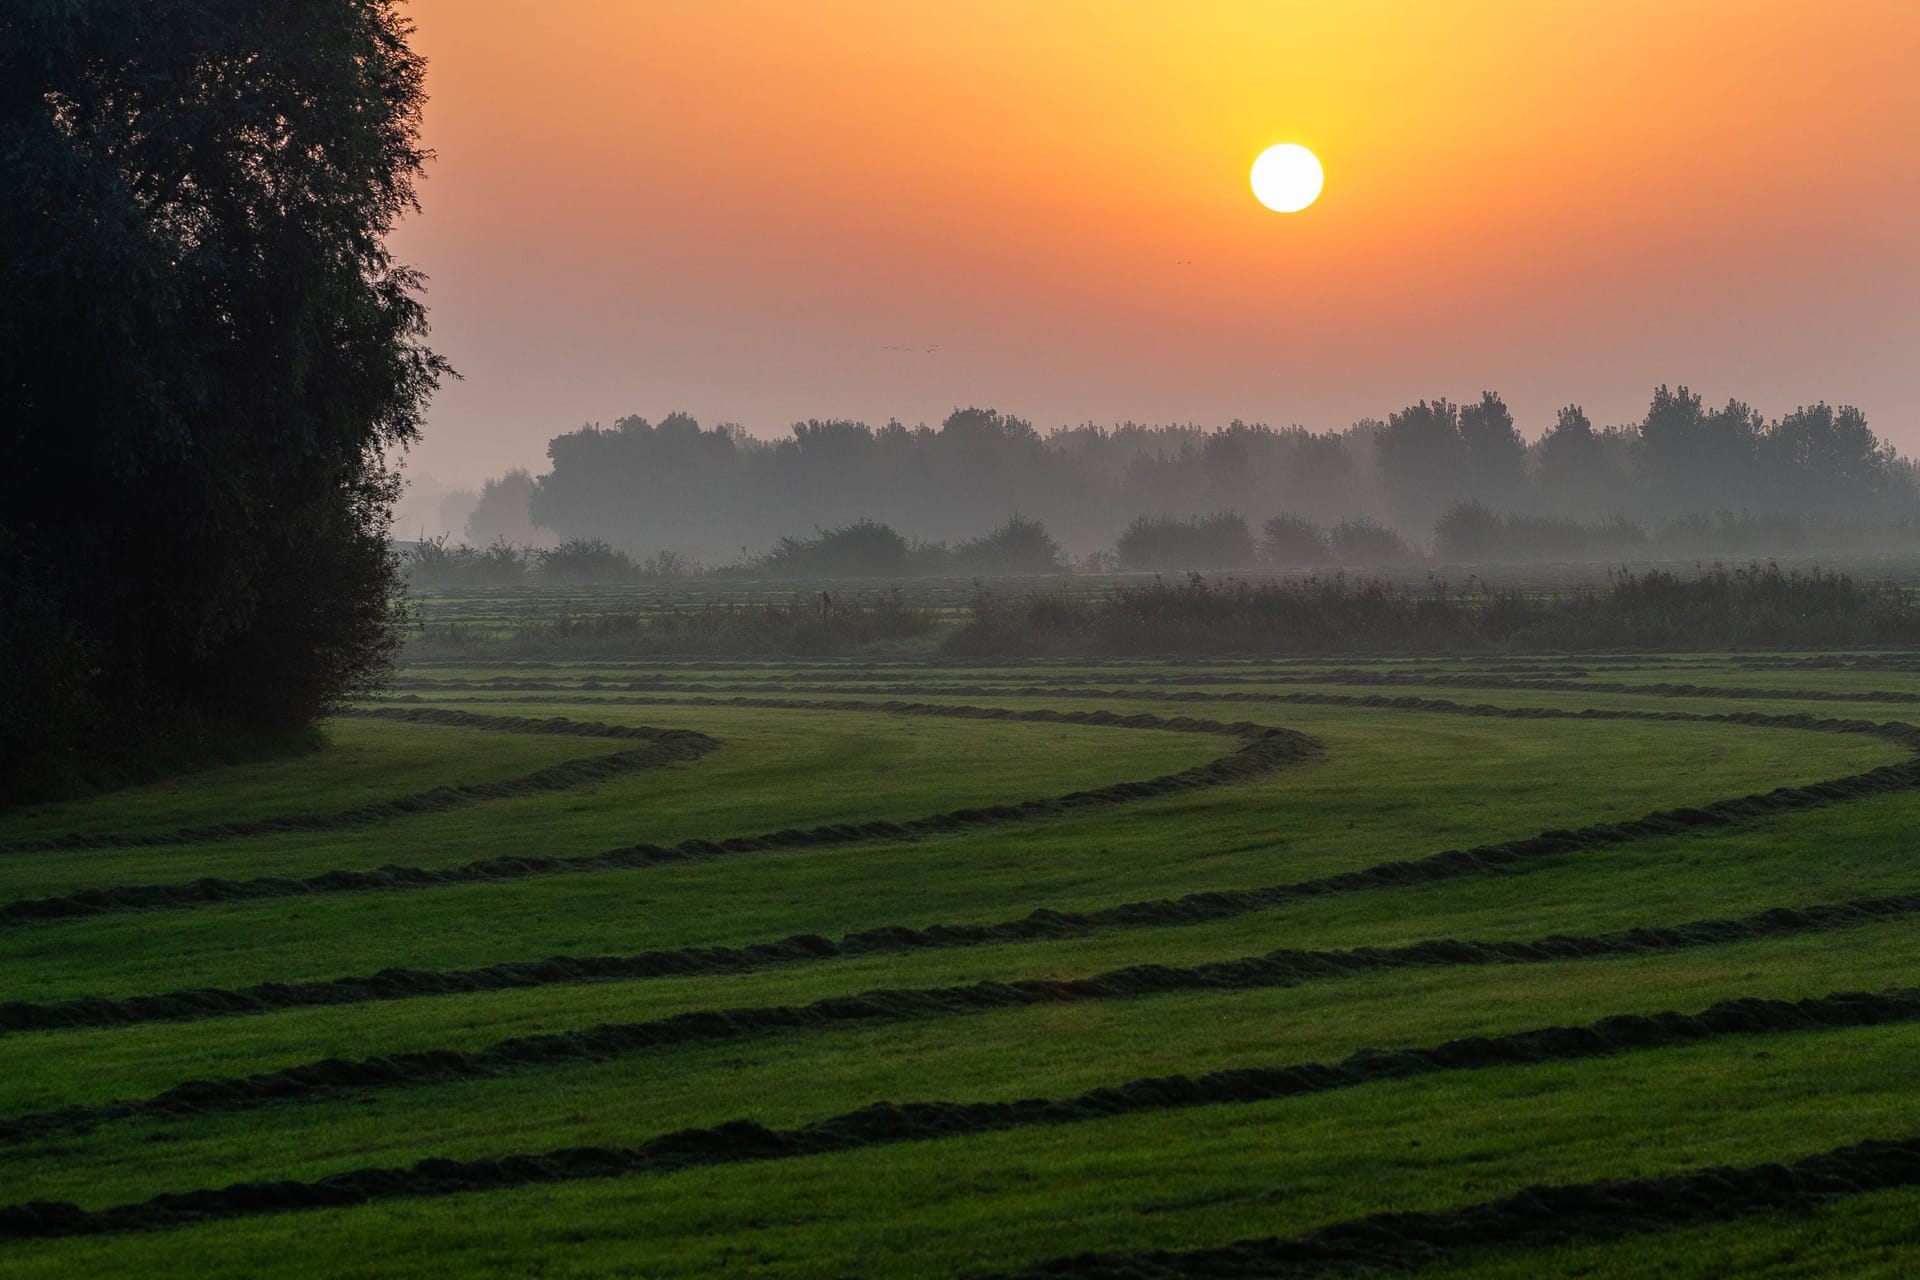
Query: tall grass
[(804, 626), (1719, 607)]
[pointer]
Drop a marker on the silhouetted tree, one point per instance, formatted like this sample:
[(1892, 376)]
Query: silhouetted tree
[(207, 352), (721, 494), (1496, 456), (1691, 459), (1572, 477), (1822, 459), (503, 511), (1422, 461)]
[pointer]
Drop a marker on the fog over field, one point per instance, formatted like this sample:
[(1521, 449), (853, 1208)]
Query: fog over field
[(1686, 478)]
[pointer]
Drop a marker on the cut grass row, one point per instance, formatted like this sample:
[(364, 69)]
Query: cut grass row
[(1053, 924), (1317, 820), (997, 1055), (364, 761), (1863, 1237), (1230, 704), (883, 1123), (660, 748), (1742, 872), (323, 1078), (1671, 879), (1171, 1180), (1535, 1216), (1261, 750), (774, 770), (895, 1210)]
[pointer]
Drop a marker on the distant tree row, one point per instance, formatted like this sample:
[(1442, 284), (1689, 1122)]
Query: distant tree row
[(1469, 531), (721, 495), (863, 549)]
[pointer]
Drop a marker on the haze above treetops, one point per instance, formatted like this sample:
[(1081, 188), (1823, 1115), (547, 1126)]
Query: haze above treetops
[(764, 213)]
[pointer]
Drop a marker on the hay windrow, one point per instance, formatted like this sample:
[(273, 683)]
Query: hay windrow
[(664, 747), (1262, 750), (886, 1123), (1536, 1217), (333, 1076), (1041, 924)]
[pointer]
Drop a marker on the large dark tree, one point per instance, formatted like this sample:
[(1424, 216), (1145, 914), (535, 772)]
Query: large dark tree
[(1422, 461), (206, 356)]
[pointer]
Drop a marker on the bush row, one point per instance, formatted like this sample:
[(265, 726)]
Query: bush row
[(808, 626), (1469, 531), (1719, 607)]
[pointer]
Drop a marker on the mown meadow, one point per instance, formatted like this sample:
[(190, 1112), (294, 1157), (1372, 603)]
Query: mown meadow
[(1062, 966)]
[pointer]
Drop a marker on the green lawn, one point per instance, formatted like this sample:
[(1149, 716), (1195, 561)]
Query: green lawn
[(1388, 784), (773, 770), (362, 762)]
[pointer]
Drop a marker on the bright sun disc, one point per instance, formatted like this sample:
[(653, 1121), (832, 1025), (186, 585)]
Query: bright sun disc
[(1287, 178)]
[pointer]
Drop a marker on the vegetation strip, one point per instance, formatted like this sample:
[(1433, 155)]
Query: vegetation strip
[(1283, 968), (884, 1123), (1045, 923), (1263, 750), (1538, 1217), (1898, 731), (665, 746), (1662, 690), (818, 682)]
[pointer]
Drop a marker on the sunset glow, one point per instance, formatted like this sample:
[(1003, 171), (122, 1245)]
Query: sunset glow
[(738, 209)]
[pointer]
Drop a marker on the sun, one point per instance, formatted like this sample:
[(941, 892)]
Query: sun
[(1287, 178)]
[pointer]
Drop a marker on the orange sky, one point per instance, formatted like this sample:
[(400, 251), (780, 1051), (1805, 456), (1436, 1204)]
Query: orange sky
[(732, 207)]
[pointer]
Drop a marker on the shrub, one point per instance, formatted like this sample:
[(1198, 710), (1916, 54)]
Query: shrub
[(1200, 542), (1018, 546), (1751, 606), (666, 565), (585, 560), (1469, 531), (435, 563), (863, 549), (1367, 542), (1288, 541)]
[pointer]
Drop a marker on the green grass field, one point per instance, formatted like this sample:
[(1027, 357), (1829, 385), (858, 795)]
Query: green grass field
[(646, 969)]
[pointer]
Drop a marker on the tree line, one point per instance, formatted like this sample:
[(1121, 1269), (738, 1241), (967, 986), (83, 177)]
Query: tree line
[(1468, 532), (721, 495)]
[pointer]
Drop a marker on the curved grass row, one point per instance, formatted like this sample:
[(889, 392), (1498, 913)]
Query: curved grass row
[(398, 984), (664, 747), (884, 1123), (1536, 1217), (316, 1080), (1262, 750), (865, 1175)]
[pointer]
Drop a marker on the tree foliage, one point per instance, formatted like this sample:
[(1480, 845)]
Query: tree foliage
[(724, 495), (208, 353)]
